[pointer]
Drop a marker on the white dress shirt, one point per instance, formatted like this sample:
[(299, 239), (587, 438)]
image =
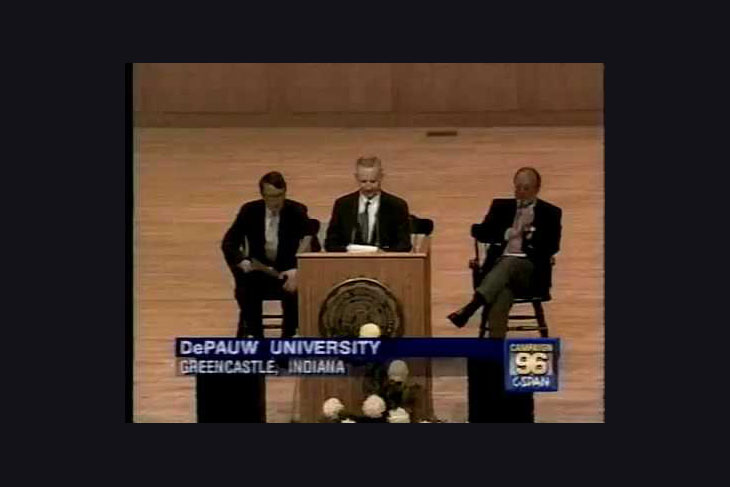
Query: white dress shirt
[(514, 246), (271, 232)]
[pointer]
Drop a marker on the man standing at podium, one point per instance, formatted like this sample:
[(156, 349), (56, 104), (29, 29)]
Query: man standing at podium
[(272, 230), (369, 216)]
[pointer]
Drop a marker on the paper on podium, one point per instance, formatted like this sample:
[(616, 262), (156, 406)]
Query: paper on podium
[(355, 248)]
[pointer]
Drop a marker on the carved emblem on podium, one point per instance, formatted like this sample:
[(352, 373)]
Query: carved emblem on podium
[(355, 302)]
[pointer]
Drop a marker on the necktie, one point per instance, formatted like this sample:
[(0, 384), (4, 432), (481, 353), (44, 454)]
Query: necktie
[(364, 222)]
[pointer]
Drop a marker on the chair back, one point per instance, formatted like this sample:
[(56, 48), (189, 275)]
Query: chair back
[(421, 226), (313, 230)]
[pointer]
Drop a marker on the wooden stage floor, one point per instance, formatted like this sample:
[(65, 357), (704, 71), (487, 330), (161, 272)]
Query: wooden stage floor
[(190, 184)]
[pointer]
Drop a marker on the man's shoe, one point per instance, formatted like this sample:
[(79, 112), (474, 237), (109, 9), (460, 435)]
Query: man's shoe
[(459, 318)]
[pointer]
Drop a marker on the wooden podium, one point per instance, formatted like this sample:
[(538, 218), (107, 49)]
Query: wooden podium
[(407, 275)]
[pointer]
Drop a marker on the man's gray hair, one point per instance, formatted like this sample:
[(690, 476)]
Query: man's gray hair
[(371, 161)]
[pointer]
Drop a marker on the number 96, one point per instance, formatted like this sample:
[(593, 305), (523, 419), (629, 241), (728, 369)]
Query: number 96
[(531, 363)]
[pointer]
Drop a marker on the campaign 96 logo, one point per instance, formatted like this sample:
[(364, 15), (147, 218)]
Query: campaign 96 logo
[(531, 364)]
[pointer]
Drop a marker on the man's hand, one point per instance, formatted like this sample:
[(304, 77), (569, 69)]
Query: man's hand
[(245, 266), (527, 216), (525, 230), (251, 265), (290, 285), (528, 230)]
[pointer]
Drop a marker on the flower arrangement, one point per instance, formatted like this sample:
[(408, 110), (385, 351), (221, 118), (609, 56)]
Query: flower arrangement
[(389, 396), (332, 408)]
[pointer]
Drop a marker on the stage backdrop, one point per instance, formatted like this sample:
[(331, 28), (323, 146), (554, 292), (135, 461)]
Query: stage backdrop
[(367, 94)]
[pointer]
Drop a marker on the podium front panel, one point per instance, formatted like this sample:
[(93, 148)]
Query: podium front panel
[(406, 275)]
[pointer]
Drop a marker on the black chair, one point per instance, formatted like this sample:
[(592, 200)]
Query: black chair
[(535, 299), (312, 246), (313, 231), (421, 226)]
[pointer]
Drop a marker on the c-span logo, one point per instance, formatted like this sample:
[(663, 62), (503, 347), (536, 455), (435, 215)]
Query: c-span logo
[(531, 364)]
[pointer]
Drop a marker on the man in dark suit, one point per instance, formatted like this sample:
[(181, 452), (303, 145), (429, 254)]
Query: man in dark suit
[(369, 216), (524, 234), (271, 230)]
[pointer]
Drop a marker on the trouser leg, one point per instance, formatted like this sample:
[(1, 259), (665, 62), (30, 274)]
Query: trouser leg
[(510, 276), (290, 308), (495, 280), (249, 297), (499, 313)]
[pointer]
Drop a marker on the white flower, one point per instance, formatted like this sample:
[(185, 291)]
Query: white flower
[(348, 421), (374, 406), (398, 371), (369, 330), (399, 415), (332, 407)]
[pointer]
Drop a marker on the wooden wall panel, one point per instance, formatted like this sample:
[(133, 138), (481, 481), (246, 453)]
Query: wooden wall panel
[(459, 87), (367, 94), (204, 88), (333, 87), (569, 86)]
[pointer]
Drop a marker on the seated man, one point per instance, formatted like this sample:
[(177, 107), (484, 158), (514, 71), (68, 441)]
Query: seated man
[(369, 216), (525, 234), (275, 229)]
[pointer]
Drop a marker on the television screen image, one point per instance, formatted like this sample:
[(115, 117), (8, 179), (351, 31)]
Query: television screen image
[(368, 242)]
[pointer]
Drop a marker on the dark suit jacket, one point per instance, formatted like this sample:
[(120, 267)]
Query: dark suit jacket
[(392, 226), (545, 241), (249, 224)]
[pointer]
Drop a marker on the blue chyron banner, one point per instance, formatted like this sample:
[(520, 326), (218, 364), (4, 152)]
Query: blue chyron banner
[(530, 364)]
